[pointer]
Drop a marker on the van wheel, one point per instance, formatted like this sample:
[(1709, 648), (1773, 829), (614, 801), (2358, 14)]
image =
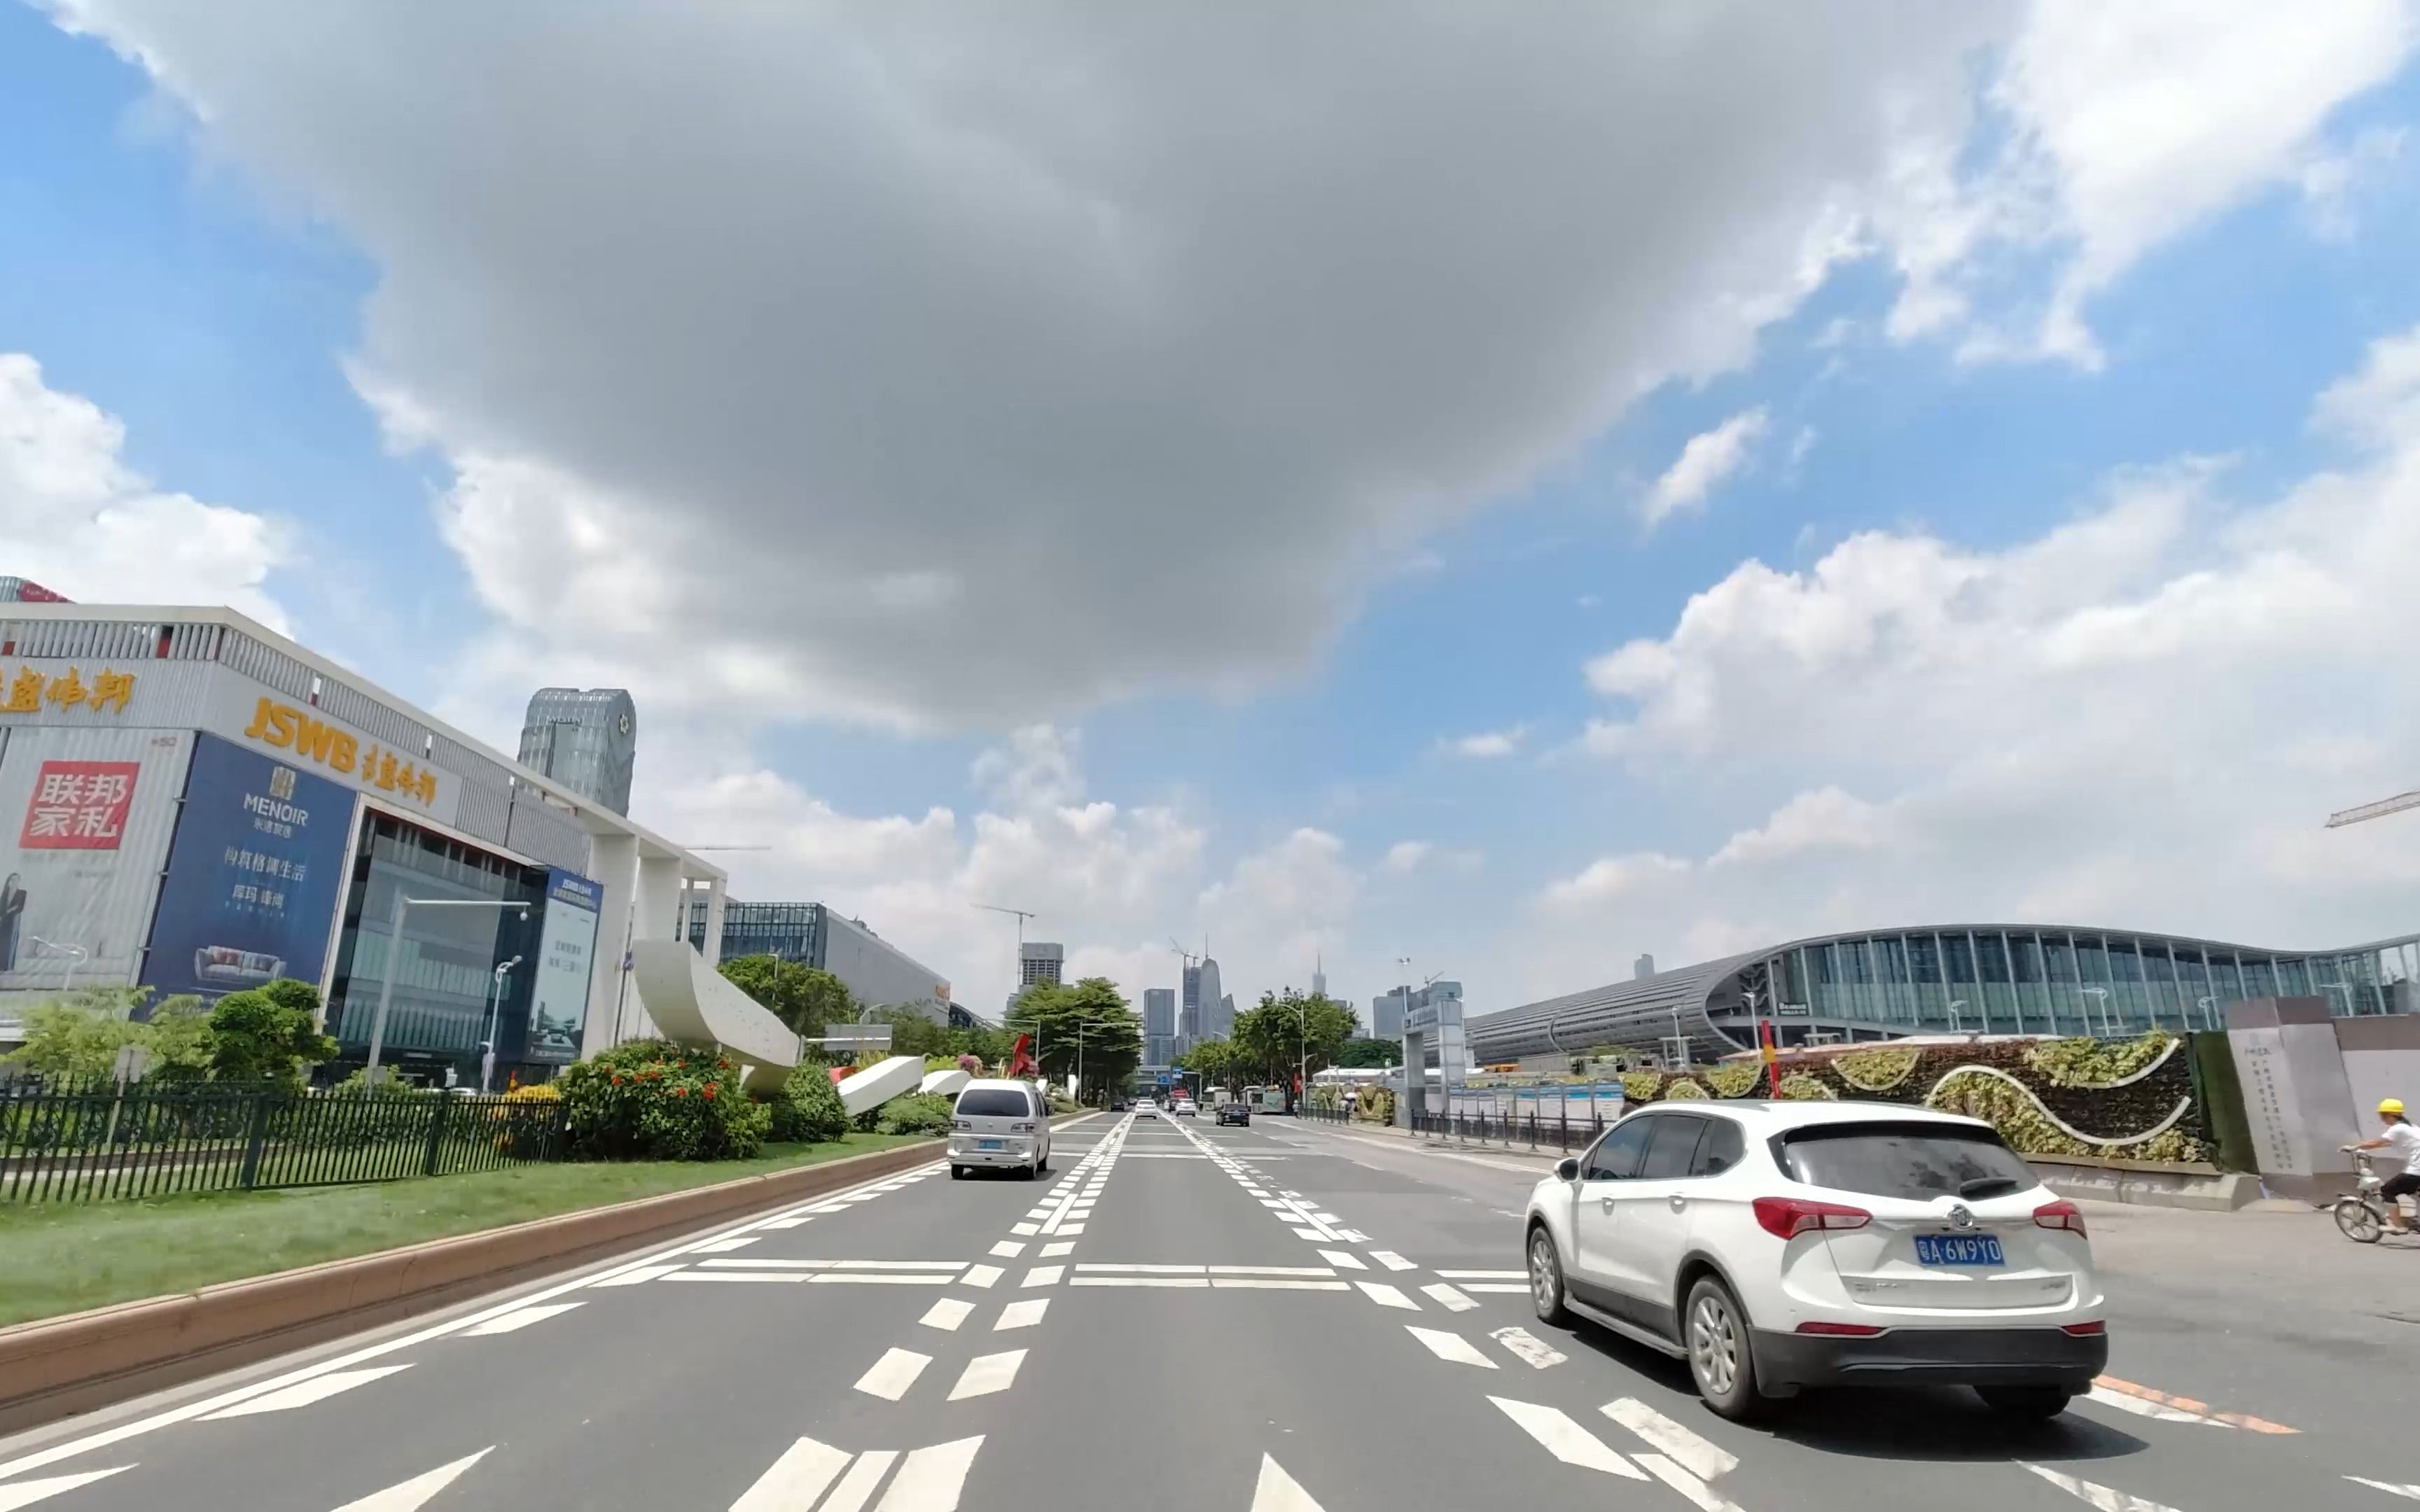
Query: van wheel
[(1030, 1172), (1714, 1329), (958, 1173)]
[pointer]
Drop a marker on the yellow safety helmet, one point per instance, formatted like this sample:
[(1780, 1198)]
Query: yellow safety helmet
[(2394, 1106)]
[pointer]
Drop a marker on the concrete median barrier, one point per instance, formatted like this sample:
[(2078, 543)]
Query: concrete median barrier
[(55, 1368)]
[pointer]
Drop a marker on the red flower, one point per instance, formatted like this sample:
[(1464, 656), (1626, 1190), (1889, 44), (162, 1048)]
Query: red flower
[(680, 1091), (617, 1079), (709, 1091)]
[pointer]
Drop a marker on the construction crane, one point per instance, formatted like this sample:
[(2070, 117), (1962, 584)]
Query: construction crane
[(2374, 810), (1021, 917)]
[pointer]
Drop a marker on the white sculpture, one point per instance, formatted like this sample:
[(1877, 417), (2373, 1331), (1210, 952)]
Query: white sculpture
[(876, 1084), (945, 1083)]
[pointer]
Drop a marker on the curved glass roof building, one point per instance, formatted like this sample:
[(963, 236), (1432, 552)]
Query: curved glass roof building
[(1998, 979)]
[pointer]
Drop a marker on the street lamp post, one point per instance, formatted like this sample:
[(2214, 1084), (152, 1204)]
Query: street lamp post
[(394, 957), (77, 955), (2208, 1006), (1955, 1003), (2102, 993), (495, 1012)]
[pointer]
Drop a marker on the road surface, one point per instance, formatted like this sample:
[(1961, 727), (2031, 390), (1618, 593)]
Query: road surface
[(1183, 1317)]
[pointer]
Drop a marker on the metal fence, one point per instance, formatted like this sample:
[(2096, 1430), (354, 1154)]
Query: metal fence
[(1564, 1132), (91, 1142)]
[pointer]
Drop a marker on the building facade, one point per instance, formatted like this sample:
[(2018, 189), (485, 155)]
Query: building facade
[(877, 973), (1159, 1040), (1391, 1011), (1994, 978), (193, 805), (1218, 1009), (586, 741), (1038, 962)]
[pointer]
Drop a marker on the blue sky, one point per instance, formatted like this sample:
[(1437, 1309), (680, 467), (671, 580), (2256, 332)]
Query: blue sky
[(215, 297)]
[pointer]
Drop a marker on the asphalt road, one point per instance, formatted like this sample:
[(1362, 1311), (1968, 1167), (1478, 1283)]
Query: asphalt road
[(1185, 1317)]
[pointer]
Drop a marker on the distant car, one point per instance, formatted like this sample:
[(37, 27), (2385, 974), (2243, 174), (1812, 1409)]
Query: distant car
[(999, 1124), (1117, 1104), (1233, 1113), (1781, 1245), (1145, 1109), (1184, 1108)]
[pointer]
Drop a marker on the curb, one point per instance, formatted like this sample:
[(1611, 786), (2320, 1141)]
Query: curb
[(57, 1368)]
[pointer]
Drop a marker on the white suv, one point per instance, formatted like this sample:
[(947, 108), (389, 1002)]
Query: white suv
[(999, 1123), (1777, 1245)]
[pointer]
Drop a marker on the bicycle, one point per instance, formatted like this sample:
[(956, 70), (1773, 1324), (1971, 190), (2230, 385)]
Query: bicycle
[(2362, 1215)]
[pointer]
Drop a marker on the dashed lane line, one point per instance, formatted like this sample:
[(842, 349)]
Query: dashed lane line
[(1343, 1260), (1391, 1260), (947, 1314), (1701, 1456), (1024, 1314), (2409, 1493), (26, 1492), (303, 1392), (932, 1479), (857, 1487), (988, 1373), (1263, 1282), (1008, 1249), (1561, 1436), (983, 1275), (1044, 1275), (1444, 1296), (1451, 1348), (723, 1246), (1386, 1296), (1530, 1348), (1173, 1283), (514, 1321), (1687, 1485), (2100, 1497), (891, 1375), (409, 1496), (795, 1480), (1498, 1288), (639, 1277), (1484, 1276)]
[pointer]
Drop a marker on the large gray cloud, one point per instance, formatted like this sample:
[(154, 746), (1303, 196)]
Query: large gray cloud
[(946, 360)]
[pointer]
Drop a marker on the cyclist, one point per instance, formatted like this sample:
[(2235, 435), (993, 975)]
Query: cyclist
[(2402, 1140)]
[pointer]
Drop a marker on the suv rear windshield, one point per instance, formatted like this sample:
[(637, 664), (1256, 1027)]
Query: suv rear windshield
[(1916, 1161), (993, 1102)]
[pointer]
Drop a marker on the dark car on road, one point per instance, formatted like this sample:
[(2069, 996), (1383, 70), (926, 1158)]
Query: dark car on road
[(1234, 1113)]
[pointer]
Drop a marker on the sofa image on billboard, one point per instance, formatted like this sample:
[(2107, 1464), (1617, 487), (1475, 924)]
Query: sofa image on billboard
[(223, 968)]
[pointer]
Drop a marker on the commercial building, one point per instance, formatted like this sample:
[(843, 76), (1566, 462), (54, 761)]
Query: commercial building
[(1997, 979), (1159, 1041), (1389, 1011), (24, 591), (1213, 1010), (877, 973), (1039, 961), (587, 742), (191, 803)]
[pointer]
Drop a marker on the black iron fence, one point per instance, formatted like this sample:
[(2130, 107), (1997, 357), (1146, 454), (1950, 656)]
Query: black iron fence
[(1563, 1131), (88, 1141)]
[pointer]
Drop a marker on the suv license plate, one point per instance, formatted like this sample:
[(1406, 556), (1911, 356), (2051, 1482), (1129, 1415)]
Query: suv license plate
[(1959, 1249)]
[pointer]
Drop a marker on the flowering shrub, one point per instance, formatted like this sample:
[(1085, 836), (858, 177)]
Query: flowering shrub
[(650, 1099), (808, 1110)]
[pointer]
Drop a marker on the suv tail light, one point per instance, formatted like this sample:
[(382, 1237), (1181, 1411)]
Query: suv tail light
[(2084, 1331), (2065, 1215), (1789, 1217), (1841, 1331)]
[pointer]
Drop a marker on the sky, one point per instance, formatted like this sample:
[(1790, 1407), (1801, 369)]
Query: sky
[(1388, 484)]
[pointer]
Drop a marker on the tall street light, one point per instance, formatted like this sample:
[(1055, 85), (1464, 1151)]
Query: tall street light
[(2209, 1011), (403, 905), (77, 955), (1955, 1003), (2102, 993), (495, 1011)]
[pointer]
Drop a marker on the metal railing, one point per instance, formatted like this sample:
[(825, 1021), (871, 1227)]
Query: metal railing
[(91, 1142), (1564, 1132)]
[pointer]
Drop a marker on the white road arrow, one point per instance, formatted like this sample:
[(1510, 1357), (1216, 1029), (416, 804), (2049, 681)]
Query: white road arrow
[(2409, 1493), (416, 1491), (1278, 1492), (26, 1492)]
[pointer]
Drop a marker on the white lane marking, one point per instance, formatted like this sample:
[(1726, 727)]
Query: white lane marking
[(932, 1479), (1275, 1284), (723, 1246), (1451, 1348), (1345, 1259), (1687, 1485), (303, 1392), (1277, 1491), (1701, 1456), (415, 1493), (1147, 1270), (1021, 1314), (2100, 1497), (830, 1207), (631, 1279), (1314, 1236), (788, 1223), (1024, 1230), (26, 1492), (795, 1480), (1391, 1260), (981, 1275), (763, 1263), (856, 1488), (1328, 1218), (1270, 1270), (861, 1196), (738, 1275), (952, 1266), (1062, 1247), (1044, 1275), (948, 1313), (1386, 1296), (894, 1374), (2143, 1406), (1353, 1236), (988, 1373), (1008, 1249), (1037, 1214), (1503, 1289), (1447, 1297), (1484, 1276), (1194, 1282), (1272, 1202), (2409, 1493), (1071, 1228), (1564, 1439), (520, 1318), (1530, 1348)]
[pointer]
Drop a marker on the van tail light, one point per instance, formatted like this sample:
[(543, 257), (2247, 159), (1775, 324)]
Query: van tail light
[(2065, 1215), (2084, 1331), (1789, 1217), (963, 1125), (1020, 1127), (1841, 1331)]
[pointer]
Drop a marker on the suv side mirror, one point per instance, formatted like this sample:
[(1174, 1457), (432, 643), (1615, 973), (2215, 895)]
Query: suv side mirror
[(1567, 1168)]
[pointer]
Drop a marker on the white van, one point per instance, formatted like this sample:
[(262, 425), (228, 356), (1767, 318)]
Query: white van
[(999, 1123)]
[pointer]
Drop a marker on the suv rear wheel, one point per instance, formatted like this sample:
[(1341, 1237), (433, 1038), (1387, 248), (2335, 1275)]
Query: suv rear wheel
[(2030, 1402), (1546, 1279), (1715, 1331)]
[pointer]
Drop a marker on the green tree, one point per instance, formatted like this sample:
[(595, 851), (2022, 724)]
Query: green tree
[(1088, 1024), (1295, 1031), (267, 1034), (1214, 1061), (802, 996), (1371, 1054), (78, 1038), (912, 1032)]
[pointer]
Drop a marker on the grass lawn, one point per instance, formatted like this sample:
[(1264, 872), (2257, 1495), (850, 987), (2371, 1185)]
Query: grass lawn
[(63, 1258)]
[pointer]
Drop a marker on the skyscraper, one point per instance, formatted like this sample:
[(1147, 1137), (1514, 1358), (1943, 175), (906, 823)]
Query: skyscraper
[(1160, 1045), (586, 741), (1039, 960), (1318, 976), (1188, 1023), (1218, 1011)]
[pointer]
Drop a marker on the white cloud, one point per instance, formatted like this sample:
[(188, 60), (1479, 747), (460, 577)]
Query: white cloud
[(1038, 769), (1490, 742), (76, 519), (2138, 718), (2334, 181), (1407, 855), (1705, 463)]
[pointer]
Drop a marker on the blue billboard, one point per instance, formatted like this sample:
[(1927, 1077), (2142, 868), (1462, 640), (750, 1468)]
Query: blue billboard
[(559, 988), (253, 877)]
